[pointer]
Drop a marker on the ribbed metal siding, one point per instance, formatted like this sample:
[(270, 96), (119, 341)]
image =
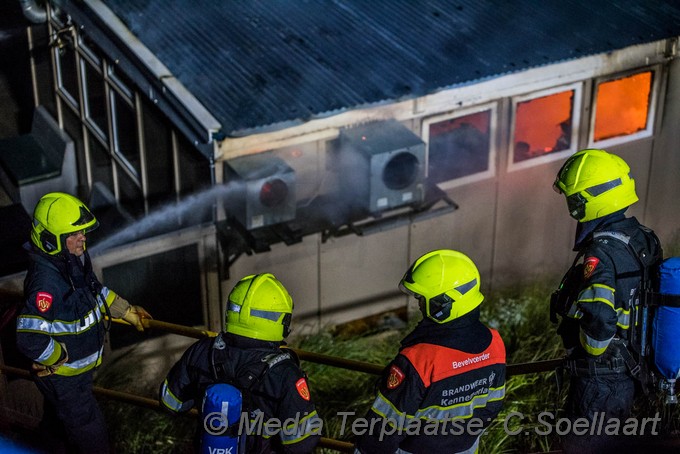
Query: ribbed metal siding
[(273, 62)]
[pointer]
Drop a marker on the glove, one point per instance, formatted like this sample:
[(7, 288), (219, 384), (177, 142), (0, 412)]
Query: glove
[(42, 370), (135, 315), (118, 306)]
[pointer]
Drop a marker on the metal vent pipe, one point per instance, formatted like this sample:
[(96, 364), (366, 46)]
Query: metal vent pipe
[(33, 12)]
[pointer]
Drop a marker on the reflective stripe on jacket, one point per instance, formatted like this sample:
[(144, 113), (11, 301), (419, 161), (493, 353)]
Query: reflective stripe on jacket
[(609, 287), (439, 394), (280, 393), (65, 303)]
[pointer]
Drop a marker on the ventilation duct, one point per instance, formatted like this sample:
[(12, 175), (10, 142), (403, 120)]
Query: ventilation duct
[(381, 165), (263, 190)]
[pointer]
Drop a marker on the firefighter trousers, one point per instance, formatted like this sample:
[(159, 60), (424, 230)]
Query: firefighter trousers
[(77, 411)]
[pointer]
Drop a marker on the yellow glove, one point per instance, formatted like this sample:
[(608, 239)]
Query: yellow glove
[(135, 315), (42, 370), (117, 304)]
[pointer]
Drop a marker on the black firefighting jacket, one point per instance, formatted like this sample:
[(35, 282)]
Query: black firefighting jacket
[(442, 390), (274, 389), (604, 286), (65, 303)]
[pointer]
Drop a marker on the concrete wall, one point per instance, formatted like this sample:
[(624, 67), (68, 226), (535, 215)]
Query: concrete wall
[(663, 203)]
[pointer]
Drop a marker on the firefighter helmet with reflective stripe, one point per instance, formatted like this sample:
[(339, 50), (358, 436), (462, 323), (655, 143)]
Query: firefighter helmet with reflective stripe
[(56, 216), (445, 282), (595, 184), (259, 307)]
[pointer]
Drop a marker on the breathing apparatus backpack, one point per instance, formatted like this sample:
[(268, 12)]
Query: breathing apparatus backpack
[(225, 401), (220, 413), (655, 316)]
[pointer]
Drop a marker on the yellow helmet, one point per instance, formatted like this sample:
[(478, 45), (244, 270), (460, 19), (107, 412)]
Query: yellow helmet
[(445, 282), (259, 307), (595, 183), (57, 215)]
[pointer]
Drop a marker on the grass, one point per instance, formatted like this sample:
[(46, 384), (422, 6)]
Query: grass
[(522, 319)]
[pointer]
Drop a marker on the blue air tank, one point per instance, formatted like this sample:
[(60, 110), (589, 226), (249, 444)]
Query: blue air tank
[(667, 322)]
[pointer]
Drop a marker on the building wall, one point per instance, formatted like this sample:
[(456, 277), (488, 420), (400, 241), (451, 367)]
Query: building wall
[(509, 220), (513, 225), (662, 210)]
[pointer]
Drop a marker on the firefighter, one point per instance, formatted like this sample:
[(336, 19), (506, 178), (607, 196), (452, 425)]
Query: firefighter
[(248, 355), (61, 327), (598, 295), (447, 383)]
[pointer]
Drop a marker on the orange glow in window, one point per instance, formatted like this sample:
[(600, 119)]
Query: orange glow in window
[(543, 125), (622, 106)]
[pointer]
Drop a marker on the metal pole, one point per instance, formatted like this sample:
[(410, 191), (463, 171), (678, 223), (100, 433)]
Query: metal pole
[(153, 404), (360, 366)]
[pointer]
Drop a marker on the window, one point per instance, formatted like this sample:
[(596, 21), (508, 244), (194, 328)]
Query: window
[(129, 193), (67, 69), (100, 163), (95, 96), (459, 147), (543, 126), (74, 129), (159, 162), (124, 143), (125, 132), (43, 65), (622, 108)]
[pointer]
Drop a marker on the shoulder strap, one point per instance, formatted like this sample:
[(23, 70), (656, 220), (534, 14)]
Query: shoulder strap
[(644, 258), (218, 357), (253, 372)]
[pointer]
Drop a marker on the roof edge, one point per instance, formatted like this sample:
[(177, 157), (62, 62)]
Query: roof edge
[(156, 67)]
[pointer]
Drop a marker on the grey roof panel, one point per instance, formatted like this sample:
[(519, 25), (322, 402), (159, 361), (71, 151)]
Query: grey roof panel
[(266, 63)]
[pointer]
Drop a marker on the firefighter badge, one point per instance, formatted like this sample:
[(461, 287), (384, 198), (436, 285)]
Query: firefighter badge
[(43, 301), (302, 388), (395, 377), (589, 265)]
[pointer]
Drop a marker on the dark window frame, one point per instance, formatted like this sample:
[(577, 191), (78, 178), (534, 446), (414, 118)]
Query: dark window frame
[(492, 108)]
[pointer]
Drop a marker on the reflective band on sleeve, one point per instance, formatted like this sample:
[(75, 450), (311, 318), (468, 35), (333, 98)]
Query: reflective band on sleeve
[(49, 353), (108, 295), (593, 346), (59, 327), (574, 311), (623, 318), (81, 365), (597, 293), (384, 408), (309, 425), (32, 324), (172, 402)]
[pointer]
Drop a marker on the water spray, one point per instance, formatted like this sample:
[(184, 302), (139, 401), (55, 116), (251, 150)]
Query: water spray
[(165, 218)]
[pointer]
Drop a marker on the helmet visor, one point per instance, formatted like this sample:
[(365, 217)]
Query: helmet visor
[(556, 188), (576, 204), (404, 289)]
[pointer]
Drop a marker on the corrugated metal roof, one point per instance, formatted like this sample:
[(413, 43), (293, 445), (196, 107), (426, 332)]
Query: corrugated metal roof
[(269, 63)]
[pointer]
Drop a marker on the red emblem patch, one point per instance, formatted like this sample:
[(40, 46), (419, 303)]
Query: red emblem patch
[(302, 388), (395, 377), (43, 301), (589, 265)]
